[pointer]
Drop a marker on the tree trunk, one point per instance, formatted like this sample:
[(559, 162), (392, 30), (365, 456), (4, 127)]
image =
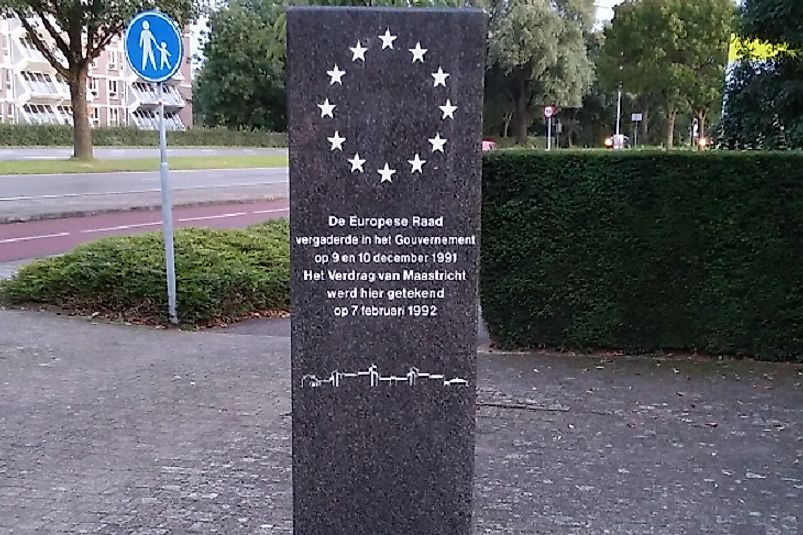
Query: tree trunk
[(521, 120), (701, 122), (82, 134), (522, 114), (670, 128), (645, 126), (508, 118), (570, 134)]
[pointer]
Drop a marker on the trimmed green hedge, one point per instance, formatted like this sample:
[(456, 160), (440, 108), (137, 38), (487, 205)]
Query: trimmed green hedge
[(221, 275), (645, 251), (52, 135)]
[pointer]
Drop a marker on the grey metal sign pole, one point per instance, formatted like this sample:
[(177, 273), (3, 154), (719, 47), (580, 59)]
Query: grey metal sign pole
[(155, 51), (167, 211)]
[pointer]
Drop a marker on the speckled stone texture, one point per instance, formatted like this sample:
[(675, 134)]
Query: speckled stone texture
[(397, 457)]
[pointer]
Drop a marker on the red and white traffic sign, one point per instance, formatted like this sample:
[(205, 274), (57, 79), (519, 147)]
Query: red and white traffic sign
[(549, 111)]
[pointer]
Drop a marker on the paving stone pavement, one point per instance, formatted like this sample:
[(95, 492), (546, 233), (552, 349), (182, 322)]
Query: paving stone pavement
[(122, 430)]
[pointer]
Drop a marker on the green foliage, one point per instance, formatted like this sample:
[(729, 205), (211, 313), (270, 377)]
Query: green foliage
[(774, 21), (70, 34), (675, 50), (50, 135), (764, 106), (536, 56), (242, 82), (644, 251), (221, 276)]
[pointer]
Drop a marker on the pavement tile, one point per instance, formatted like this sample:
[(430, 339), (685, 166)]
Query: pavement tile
[(107, 440)]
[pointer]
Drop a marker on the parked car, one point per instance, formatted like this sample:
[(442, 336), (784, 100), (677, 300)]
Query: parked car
[(618, 142), (488, 145)]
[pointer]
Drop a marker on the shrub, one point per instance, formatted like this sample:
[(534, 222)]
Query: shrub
[(221, 275), (52, 135), (645, 251)]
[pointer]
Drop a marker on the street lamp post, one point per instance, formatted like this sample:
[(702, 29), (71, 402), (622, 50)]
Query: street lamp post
[(619, 111)]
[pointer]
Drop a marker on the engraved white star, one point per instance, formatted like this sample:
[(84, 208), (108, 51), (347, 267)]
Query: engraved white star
[(418, 52), (358, 52), (440, 77), (387, 39), (448, 110), (336, 141), (437, 143), (327, 109), (356, 163), (336, 74), (417, 163), (387, 173)]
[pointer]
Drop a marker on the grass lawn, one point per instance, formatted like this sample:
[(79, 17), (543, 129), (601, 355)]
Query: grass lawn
[(28, 167)]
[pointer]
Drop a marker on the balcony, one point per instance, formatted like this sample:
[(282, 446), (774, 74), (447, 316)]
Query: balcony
[(66, 113), (145, 95), (149, 120), (39, 114), (41, 87), (25, 56)]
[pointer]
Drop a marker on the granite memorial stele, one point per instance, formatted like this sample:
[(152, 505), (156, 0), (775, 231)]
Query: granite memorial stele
[(385, 151)]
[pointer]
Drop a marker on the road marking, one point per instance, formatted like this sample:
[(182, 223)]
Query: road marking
[(272, 211), (42, 237), (152, 173), (142, 225), (121, 227), (208, 217), (153, 190)]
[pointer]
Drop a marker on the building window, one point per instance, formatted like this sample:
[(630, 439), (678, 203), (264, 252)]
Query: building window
[(93, 86), (113, 89), (66, 114), (9, 80), (95, 116), (114, 60), (27, 42), (38, 82), (40, 114), (114, 117)]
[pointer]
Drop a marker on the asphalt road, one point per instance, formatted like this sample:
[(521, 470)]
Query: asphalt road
[(115, 153), (53, 236), (33, 187), (24, 197)]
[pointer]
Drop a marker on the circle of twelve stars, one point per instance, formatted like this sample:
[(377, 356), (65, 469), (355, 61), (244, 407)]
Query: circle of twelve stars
[(327, 109)]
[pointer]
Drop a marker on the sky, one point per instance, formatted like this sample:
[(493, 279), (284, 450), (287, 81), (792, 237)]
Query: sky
[(605, 10)]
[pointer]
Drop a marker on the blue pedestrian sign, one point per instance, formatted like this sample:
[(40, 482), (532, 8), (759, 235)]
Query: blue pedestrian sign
[(153, 46)]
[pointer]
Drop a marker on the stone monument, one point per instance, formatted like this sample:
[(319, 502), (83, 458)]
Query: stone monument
[(385, 148)]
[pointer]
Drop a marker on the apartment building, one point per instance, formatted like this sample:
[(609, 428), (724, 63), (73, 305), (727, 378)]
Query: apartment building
[(32, 92)]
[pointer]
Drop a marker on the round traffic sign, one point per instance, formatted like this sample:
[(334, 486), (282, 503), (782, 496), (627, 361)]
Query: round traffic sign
[(549, 111), (153, 46)]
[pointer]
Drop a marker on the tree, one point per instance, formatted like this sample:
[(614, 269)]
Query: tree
[(241, 84), (537, 55), (712, 24), (72, 33), (764, 98), (675, 50)]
